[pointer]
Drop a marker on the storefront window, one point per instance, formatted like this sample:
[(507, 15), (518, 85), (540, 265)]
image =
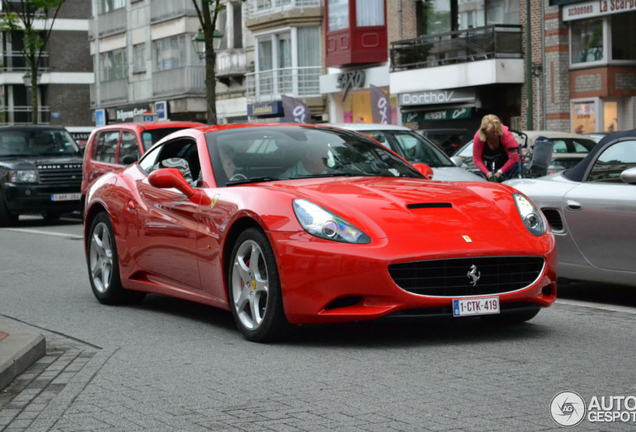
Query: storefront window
[(623, 36), (584, 117), (502, 12), (357, 107), (338, 14), (610, 116), (369, 13), (587, 41)]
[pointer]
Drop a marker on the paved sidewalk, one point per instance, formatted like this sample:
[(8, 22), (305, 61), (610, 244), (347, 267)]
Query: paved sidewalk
[(20, 347)]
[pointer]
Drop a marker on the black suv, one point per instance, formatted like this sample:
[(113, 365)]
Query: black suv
[(40, 172)]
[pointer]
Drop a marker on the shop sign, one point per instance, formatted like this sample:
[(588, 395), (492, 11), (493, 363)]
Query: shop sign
[(100, 117), (597, 8), (265, 109), (433, 97), (349, 80), (161, 108), (451, 114), (123, 115)]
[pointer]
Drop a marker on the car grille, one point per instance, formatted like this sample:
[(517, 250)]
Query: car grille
[(60, 174), (467, 276)]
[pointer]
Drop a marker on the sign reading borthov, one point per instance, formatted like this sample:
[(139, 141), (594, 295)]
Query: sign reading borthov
[(434, 97)]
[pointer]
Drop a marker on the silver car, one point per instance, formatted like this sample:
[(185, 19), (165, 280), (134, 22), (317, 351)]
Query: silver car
[(592, 210), (414, 148)]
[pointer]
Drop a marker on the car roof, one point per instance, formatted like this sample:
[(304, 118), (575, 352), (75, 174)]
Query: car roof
[(368, 126), (532, 134), (28, 127), (151, 125)]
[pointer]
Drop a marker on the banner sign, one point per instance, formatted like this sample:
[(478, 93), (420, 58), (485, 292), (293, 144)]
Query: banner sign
[(380, 106), (433, 97), (296, 111), (452, 114), (597, 8)]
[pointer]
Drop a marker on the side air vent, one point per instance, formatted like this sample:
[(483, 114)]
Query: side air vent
[(554, 219), (429, 205)]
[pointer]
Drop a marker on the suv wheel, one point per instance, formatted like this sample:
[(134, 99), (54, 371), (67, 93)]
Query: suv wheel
[(6, 218)]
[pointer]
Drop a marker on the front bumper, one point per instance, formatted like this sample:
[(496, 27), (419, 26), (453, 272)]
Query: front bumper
[(325, 282), (37, 199)]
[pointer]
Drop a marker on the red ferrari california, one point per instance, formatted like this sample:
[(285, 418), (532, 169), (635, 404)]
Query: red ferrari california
[(293, 224)]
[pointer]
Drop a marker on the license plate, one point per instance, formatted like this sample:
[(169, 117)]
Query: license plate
[(66, 197), (475, 306)]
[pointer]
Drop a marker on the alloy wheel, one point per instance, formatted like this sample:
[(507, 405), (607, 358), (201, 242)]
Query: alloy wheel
[(250, 284), (101, 257)]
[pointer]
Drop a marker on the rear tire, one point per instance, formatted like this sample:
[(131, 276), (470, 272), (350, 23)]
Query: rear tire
[(512, 317), (103, 265), (7, 219), (254, 289)]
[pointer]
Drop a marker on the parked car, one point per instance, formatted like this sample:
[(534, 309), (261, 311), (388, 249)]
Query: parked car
[(592, 211), (110, 147), (596, 136), (448, 139), (414, 148), (569, 149), (80, 134), (356, 233), (40, 172)]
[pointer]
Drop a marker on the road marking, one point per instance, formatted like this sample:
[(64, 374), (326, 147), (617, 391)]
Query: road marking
[(32, 231), (605, 307)]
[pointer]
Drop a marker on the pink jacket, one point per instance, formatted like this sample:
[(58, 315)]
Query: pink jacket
[(507, 141)]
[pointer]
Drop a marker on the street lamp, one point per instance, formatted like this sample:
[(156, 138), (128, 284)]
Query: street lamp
[(199, 42), (27, 78)]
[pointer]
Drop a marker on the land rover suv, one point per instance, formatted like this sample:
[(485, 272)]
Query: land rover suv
[(40, 172)]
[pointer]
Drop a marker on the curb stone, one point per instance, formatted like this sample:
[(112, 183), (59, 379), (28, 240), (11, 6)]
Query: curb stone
[(19, 349)]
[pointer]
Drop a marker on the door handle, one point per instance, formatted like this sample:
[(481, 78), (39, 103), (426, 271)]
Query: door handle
[(573, 205), (131, 206)]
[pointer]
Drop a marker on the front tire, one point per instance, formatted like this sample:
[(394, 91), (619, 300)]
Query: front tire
[(7, 219), (254, 288), (103, 265)]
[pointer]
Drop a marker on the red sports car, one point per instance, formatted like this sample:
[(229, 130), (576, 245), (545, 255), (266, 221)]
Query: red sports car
[(294, 224)]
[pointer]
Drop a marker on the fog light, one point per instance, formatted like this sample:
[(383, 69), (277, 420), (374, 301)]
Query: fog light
[(27, 192)]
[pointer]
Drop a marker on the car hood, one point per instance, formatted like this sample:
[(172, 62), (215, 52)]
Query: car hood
[(397, 207), (32, 162), (454, 174)]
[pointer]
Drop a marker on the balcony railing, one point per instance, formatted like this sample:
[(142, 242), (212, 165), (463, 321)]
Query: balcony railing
[(162, 9), (113, 91), (230, 63), (112, 22), (15, 61), (258, 8), (23, 115), (189, 79), (270, 85), (483, 43)]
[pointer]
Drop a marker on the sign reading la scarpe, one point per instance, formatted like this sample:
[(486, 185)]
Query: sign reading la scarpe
[(596, 8)]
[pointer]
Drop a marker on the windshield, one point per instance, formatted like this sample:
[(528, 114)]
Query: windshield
[(37, 142), (413, 147), (153, 136), (294, 152)]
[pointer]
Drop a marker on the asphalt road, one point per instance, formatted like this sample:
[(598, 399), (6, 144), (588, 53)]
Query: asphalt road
[(169, 365)]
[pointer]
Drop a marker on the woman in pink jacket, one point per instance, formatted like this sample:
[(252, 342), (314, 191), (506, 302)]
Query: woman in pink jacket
[(495, 149)]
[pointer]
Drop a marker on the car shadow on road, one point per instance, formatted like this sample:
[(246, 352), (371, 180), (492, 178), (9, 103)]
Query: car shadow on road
[(598, 293)]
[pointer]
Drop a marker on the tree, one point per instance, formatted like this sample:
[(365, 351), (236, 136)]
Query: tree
[(32, 18), (208, 12)]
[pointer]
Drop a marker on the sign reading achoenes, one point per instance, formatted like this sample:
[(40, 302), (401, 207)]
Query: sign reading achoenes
[(451, 114), (434, 97)]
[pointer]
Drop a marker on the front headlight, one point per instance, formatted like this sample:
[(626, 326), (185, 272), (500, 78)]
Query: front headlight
[(322, 223), (23, 176), (530, 215)]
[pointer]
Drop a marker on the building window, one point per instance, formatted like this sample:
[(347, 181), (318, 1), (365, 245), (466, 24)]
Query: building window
[(586, 41), (106, 6), (369, 13), (442, 16), (623, 36), (584, 117), (471, 14), (338, 15), (502, 12), (221, 25), (139, 58), (170, 53), (237, 17), (435, 17), (113, 65)]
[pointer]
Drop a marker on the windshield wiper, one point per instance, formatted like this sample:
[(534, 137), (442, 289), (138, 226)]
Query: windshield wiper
[(250, 180), (333, 174)]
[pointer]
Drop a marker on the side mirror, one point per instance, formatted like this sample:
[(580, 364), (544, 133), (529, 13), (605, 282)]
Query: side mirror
[(425, 170), (130, 159), (166, 178), (629, 176), (458, 161)]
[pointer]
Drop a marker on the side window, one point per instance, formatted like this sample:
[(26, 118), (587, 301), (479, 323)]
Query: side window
[(128, 146), (613, 161), (107, 147), (579, 147), (560, 146), (181, 154), (147, 163)]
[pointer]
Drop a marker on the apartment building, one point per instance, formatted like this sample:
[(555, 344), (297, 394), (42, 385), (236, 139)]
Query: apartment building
[(66, 73), (288, 57), (144, 60)]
